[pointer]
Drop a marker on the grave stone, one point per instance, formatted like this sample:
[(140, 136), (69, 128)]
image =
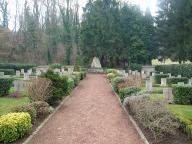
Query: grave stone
[(168, 95), (179, 76), (26, 76), (70, 70), (180, 83), (2, 74), (161, 72), (18, 85), (163, 82), (56, 70), (153, 74), (38, 72), (130, 71), (133, 72), (169, 75), (22, 71), (30, 71), (190, 82), (148, 70), (149, 86), (18, 73)]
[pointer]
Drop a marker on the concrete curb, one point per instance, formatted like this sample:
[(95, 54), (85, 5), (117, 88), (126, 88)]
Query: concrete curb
[(47, 119), (142, 136)]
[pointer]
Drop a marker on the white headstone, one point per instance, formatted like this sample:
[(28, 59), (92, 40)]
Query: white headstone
[(169, 74), (22, 71), (130, 71), (2, 74), (153, 74), (56, 70), (190, 82), (149, 86), (163, 82), (18, 73), (168, 95), (18, 85), (26, 76), (161, 72), (179, 76), (70, 70), (38, 72), (30, 71), (133, 72), (181, 83)]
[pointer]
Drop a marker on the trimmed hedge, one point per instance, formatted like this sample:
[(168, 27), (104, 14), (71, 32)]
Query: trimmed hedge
[(114, 71), (175, 80), (134, 67), (182, 94), (110, 76), (13, 126), (176, 69), (125, 92), (8, 71), (16, 66), (5, 85), (115, 81), (157, 77), (71, 84), (56, 65), (83, 75)]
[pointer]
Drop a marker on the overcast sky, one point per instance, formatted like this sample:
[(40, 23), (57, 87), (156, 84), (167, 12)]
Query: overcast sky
[(142, 3)]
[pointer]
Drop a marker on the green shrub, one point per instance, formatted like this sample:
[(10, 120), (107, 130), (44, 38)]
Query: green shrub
[(27, 108), (76, 77), (110, 76), (182, 94), (42, 109), (77, 67), (114, 71), (8, 71), (158, 77), (125, 92), (16, 66), (115, 81), (5, 85), (55, 66), (175, 80), (59, 87), (13, 126), (83, 75), (71, 84), (134, 67), (176, 69)]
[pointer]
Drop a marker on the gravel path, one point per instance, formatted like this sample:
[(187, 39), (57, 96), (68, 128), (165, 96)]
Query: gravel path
[(92, 115)]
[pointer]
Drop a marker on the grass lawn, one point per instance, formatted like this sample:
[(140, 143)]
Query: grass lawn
[(6, 104), (156, 97)]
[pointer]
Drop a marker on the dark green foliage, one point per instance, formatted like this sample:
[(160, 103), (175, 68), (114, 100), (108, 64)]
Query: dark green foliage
[(118, 33), (5, 85), (60, 87), (176, 69), (8, 71), (16, 66), (77, 67), (56, 65), (158, 77), (175, 80), (135, 67), (71, 84), (83, 75), (182, 94), (125, 92), (115, 81), (76, 77), (29, 109)]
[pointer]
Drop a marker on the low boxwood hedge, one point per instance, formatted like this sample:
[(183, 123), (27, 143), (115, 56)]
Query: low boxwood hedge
[(158, 77), (14, 126), (8, 71), (125, 92), (175, 80), (115, 81), (182, 94), (16, 66)]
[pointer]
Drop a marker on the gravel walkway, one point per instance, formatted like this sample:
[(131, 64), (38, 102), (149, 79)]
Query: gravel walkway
[(92, 115)]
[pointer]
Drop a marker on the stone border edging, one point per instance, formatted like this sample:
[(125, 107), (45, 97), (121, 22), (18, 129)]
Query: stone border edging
[(142, 136), (47, 119)]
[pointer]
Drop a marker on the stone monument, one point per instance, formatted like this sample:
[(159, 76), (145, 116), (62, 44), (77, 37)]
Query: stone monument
[(96, 66)]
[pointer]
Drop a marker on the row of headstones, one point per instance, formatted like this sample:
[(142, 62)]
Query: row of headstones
[(130, 72), (20, 85), (63, 70)]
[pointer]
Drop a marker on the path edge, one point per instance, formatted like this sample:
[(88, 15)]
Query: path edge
[(47, 119), (142, 136)]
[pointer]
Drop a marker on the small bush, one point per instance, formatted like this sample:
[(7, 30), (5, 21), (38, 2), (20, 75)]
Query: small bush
[(158, 77), (56, 66), (125, 92), (175, 80), (27, 108), (77, 67), (13, 126), (182, 94), (76, 77), (5, 85), (40, 90), (110, 76), (71, 84), (134, 67), (115, 81), (59, 87), (114, 71), (42, 109), (8, 71), (83, 75), (153, 116)]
